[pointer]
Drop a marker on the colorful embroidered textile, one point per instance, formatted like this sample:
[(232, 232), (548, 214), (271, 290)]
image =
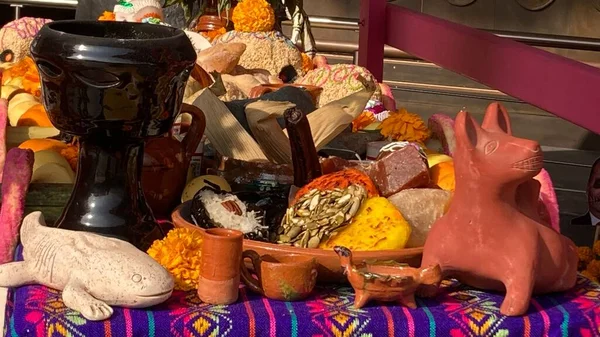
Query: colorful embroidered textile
[(459, 311)]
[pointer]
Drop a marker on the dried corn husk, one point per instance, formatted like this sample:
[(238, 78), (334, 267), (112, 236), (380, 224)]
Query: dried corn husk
[(224, 131), (262, 119), (329, 121)]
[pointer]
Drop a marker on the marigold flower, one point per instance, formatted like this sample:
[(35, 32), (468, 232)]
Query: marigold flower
[(253, 16), (405, 126), (107, 16), (307, 63), (589, 275), (363, 120), (594, 268), (586, 255), (596, 248), (180, 253)]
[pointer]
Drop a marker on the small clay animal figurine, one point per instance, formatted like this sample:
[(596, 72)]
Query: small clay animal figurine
[(282, 277), (484, 240), (94, 272), (385, 281)]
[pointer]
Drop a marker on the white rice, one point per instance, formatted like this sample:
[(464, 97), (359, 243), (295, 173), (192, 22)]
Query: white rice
[(246, 223)]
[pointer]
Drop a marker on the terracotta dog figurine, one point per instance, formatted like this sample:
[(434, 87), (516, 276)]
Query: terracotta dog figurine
[(529, 199), (484, 240)]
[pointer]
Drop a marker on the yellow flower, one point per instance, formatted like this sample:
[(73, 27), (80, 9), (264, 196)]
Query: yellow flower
[(253, 16), (405, 126), (179, 252)]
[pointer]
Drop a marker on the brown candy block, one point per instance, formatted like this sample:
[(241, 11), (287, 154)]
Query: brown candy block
[(484, 240), (399, 170)]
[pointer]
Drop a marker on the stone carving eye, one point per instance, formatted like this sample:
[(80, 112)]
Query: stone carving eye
[(136, 278), (490, 147)]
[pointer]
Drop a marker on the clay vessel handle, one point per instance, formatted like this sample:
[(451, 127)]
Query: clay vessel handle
[(201, 76), (259, 90), (249, 280), (194, 135)]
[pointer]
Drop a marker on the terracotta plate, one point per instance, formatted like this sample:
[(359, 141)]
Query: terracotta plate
[(329, 264)]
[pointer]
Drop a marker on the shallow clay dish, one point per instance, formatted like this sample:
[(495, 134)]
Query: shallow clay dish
[(329, 269)]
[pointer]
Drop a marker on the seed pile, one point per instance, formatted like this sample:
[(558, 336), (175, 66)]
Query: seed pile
[(317, 215)]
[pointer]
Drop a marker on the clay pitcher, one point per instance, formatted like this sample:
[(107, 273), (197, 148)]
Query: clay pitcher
[(166, 162), (220, 268)]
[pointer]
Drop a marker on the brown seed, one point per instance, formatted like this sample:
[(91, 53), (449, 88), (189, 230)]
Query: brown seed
[(313, 242), (293, 232)]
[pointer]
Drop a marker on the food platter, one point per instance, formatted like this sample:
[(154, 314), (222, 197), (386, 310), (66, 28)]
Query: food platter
[(328, 261)]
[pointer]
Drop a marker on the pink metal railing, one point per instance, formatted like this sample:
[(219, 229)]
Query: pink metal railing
[(563, 87)]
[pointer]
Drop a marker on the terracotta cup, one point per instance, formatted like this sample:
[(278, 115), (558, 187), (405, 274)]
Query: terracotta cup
[(220, 272), (280, 277)]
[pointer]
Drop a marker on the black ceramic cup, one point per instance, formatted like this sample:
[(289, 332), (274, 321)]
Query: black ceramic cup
[(112, 85)]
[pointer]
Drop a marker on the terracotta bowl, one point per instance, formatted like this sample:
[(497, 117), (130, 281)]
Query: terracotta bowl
[(328, 262)]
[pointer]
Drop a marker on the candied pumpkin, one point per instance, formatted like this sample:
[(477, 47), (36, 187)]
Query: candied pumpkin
[(442, 175), (378, 225)]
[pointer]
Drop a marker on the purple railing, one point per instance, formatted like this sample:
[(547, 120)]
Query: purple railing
[(563, 87)]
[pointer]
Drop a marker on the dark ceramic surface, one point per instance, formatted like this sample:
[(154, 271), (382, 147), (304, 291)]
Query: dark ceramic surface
[(112, 84)]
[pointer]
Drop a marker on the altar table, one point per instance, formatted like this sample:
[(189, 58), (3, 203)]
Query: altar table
[(458, 311)]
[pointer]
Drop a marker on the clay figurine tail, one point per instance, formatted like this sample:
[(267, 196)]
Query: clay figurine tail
[(17, 175), (431, 275), (3, 121), (548, 200), (442, 127)]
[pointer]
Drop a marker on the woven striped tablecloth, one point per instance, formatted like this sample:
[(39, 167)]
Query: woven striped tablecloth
[(459, 311)]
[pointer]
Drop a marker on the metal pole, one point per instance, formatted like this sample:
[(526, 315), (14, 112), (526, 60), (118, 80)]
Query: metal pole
[(355, 58), (537, 40), (17, 10)]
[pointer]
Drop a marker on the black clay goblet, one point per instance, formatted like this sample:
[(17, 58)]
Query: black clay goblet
[(112, 85)]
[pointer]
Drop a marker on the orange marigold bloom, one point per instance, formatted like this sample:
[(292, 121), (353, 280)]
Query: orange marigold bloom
[(586, 255), (107, 16), (405, 126), (307, 63), (589, 275), (253, 16), (363, 120), (180, 253), (596, 248), (594, 268)]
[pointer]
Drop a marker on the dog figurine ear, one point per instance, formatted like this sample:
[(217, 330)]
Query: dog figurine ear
[(466, 130), (496, 119)]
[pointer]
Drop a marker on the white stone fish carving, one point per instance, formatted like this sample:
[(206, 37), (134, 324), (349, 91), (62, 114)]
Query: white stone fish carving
[(94, 272)]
